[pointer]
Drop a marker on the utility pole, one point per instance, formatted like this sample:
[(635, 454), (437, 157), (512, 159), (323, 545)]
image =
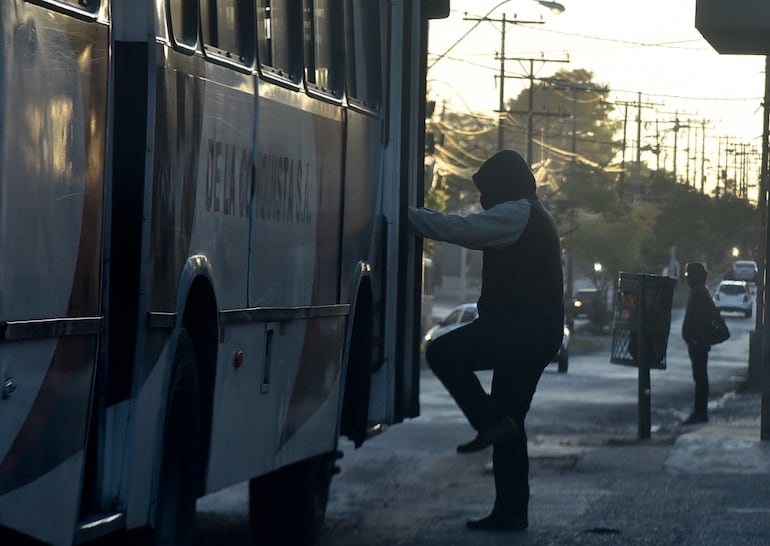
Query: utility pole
[(501, 103), (531, 97), (765, 187), (638, 164), (689, 156), (677, 127), (623, 157), (728, 151), (703, 156), (718, 191)]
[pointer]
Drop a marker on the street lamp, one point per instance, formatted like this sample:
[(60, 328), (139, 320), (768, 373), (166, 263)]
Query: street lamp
[(555, 7)]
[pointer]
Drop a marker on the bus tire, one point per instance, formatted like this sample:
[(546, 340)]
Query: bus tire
[(288, 506), (177, 486)]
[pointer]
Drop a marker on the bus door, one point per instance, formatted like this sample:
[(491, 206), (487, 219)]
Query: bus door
[(53, 88)]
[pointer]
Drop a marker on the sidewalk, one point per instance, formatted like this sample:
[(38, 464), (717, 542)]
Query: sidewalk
[(729, 444), (707, 484)]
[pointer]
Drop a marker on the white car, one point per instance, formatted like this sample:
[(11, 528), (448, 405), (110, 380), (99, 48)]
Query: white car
[(467, 312), (459, 316), (734, 296), (745, 270)]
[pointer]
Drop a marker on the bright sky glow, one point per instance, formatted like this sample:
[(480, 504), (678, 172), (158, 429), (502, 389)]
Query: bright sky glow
[(649, 46)]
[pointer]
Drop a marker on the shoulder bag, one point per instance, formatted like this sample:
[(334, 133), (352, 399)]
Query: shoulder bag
[(717, 329)]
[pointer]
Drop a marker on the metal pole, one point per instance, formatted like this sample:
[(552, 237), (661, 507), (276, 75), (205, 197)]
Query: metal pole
[(638, 164), (703, 156), (765, 410), (501, 107), (623, 157), (531, 110), (645, 425), (676, 139)]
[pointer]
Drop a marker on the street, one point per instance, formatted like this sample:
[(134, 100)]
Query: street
[(408, 486)]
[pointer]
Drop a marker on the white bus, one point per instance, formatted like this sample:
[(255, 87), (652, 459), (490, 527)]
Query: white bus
[(205, 276)]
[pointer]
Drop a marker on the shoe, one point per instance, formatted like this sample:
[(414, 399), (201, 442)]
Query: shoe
[(696, 418), (503, 430), (494, 522)]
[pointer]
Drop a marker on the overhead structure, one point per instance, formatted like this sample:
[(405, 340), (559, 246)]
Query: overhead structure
[(736, 27)]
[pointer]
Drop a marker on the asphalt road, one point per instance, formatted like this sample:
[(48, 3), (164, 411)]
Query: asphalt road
[(409, 487)]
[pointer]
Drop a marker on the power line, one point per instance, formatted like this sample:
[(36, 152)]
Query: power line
[(664, 45), (461, 38), (659, 95)]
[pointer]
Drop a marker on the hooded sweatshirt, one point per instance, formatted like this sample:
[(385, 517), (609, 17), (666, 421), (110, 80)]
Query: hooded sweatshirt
[(521, 272)]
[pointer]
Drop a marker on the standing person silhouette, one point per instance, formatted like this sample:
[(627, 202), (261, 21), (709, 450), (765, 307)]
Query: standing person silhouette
[(695, 325), (519, 328)]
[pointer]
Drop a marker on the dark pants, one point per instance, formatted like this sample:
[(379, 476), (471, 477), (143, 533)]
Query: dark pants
[(518, 350), (699, 357)]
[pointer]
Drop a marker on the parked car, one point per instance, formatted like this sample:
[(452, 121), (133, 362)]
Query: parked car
[(745, 270), (586, 302), (467, 312), (562, 357), (734, 296), (459, 316)]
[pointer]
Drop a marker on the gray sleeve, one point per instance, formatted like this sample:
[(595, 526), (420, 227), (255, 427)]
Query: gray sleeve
[(499, 226)]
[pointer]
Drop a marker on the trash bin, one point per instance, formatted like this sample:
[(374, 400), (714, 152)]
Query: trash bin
[(642, 320)]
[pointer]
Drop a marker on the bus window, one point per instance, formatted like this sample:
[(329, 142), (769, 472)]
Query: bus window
[(323, 33), (184, 22), (363, 53), (91, 6), (228, 29), (279, 32)]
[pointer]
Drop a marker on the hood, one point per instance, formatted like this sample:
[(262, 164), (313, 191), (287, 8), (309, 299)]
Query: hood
[(695, 273), (504, 177)]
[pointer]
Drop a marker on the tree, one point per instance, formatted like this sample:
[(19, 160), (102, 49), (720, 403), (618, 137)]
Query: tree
[(701, 227), (570, 113), (463, 143)]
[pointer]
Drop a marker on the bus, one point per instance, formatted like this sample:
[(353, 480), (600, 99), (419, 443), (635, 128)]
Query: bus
[(205, 272)]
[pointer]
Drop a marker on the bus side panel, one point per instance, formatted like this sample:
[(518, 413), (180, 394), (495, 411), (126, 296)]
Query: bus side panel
[(53, 89), (409, 249), (202, 179), (396, 397), (294, 262), (176, 176), (200, 196), (296, 201), (254, 410), (362, 231), (364, 237), (321, 355)]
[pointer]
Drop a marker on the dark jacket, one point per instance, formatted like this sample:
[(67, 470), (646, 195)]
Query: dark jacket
[(525, 277), (700, 308)]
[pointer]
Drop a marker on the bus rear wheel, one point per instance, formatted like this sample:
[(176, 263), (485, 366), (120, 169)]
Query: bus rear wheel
[(177, 486), (288, 506)]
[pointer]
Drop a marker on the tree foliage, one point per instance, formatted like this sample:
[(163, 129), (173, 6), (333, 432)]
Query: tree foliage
[(570, 112)]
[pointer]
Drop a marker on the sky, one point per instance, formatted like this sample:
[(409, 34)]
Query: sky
[(650, 47)]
